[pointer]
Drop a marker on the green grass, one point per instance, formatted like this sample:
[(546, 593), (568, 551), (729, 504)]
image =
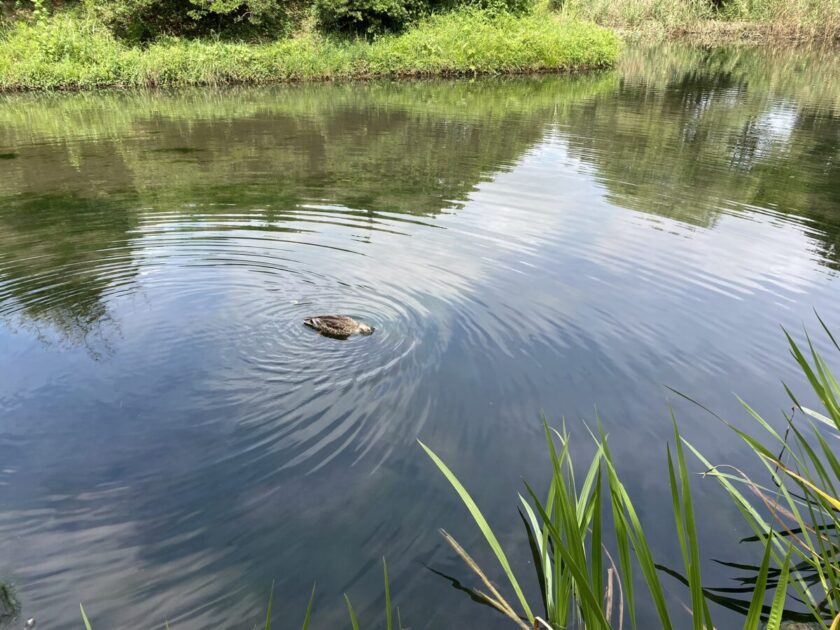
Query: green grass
[(72, 52)]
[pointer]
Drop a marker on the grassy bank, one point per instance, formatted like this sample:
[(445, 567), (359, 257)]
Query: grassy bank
[(71, 52), (724, 20)]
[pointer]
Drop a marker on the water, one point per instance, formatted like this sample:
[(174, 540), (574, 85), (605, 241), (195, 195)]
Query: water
[(172, 438)]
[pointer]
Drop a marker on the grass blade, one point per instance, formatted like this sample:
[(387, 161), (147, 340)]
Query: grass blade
[(484, 526), (308, 615), (270, 606), (388, 620), (85, 618), (353, 620), (635, 533), (536, 554), (753, 621), (702, 615), (589, 601), (775, 618)]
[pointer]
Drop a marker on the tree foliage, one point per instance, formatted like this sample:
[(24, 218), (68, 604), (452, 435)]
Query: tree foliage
[(370, 18), (143, 20)]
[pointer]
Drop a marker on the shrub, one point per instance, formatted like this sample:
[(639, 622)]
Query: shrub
[(366, 17), (143, 20), (370, 18)]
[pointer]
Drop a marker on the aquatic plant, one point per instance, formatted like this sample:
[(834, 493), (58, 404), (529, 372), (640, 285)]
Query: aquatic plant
[(580, 583), (800, 510)]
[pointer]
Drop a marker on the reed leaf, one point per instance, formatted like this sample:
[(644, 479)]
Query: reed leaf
[(85, 618), (388, 617), (354, 622), (270, 606), (308, 615), (775, 618), (753, 620), (484, 526)]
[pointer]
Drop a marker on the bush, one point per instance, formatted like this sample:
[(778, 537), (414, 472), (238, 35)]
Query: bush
[(370, 18), (366, 17), (144, 20)]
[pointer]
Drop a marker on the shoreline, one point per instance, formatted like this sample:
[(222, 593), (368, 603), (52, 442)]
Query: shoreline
[(401, 76)]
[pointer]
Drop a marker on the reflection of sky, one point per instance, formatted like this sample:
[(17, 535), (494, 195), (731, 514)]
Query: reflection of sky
[(156, 482), (775, 127)]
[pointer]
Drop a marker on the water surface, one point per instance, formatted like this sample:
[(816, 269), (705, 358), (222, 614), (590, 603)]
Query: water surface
[(172, 438)]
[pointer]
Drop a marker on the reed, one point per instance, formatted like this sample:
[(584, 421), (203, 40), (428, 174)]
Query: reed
[(795, 516)]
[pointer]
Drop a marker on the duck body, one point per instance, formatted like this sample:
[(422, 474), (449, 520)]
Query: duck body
[(337, 326)]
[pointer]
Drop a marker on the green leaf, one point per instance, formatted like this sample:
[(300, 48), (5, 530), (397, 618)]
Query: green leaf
[(775, 618), (484, 526), (753, 621), (388, 621), (353, 620), (84, 618), (308, 615), (270, 606), (572, 562), (624, 506), (702, 616)]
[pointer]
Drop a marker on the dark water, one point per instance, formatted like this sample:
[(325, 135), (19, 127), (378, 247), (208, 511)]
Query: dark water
[(172, 438)]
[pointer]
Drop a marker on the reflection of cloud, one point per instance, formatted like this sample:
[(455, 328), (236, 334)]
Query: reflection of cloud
[(90, 558)]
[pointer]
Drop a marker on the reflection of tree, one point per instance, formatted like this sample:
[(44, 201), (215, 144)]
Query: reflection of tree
[(95, 174), (685, 134), (694, 132), (60, 257), (403, 147)]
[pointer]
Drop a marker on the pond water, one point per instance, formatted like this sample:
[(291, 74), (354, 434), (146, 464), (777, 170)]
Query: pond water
[(172, 439)]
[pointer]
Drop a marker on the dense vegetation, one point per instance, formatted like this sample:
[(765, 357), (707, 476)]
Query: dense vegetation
[(73, 51), (89, 43), (106, 44)]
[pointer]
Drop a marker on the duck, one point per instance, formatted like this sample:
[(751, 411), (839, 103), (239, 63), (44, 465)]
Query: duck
[(338, 326)]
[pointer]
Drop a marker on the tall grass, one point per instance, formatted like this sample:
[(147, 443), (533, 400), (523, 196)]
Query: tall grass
[(570, 532), (800, 504), (72, 52), (795, 515), (811, 19), (639, 14)]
